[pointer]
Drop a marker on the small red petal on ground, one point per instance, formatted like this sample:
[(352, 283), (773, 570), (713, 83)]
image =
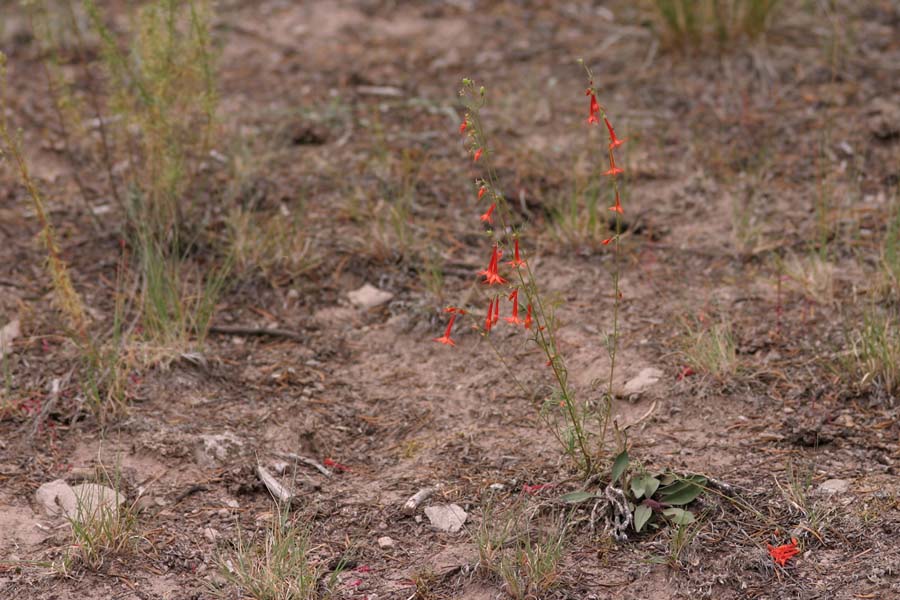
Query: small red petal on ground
[(534, 489), (332, 464), (685, 372)]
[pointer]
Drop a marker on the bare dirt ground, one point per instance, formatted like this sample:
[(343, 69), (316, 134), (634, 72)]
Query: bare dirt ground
[(338, 110)]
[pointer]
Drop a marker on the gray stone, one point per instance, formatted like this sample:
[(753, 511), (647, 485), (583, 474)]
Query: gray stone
[(446, 517), (369, 296), (385, 542), (644, 380), (56, 497), (834, 486), (83, 502)]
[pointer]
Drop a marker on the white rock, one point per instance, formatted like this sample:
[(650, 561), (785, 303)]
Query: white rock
[(644, 380), (8, 333), (834, 486), (369, 296), (56, 497), (385, 542), (83, 502), (446, 517)]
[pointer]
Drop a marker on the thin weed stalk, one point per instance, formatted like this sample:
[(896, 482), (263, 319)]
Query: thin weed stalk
[(68, 300), (612, 344)]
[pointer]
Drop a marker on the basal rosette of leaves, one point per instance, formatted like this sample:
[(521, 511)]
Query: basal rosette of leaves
[(655, 498)]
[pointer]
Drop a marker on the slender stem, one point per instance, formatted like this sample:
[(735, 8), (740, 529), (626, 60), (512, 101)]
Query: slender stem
[(544, 334), (506, 365)]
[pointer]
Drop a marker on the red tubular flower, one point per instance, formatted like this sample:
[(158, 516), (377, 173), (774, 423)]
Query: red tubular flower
[(491, 265), (516, 261), (613, 169), (594, 109), (445, 339), (614, 142), (488, 320), (685, 372), (782, 554), (514, 319), (486, 217), (607, 241), (462, 126), (618, 207), (478, 154), (454, 309), (528, 318), (481, 192), (496, 316), (491, 274)]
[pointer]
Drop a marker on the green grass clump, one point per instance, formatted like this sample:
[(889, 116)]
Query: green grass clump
[(279, 566), (873, 358), (690, 23)]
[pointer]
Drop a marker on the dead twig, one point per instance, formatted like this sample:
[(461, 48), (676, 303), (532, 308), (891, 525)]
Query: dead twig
[(257, 331), (306, 461), (278, 491), (409, 508)]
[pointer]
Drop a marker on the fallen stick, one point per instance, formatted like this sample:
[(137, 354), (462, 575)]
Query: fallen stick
[(257, 331), (306, 461), (418, 498), (278, 491), (643, 418)]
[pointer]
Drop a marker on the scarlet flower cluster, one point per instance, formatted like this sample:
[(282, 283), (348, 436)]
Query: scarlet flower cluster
[(594, 113), (491, 274), (783, 553)]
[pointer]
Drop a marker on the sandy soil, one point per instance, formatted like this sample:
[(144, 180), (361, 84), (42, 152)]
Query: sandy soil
[(331, 102)]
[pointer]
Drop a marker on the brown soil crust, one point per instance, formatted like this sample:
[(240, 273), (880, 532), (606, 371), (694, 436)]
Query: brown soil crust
[(333, 102)]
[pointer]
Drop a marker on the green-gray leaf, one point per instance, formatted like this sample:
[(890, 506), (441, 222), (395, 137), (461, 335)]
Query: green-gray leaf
[(641, 516), (619, 465), (651, 484), (637, 487), (679, 516), (576, 497), (684, 491)]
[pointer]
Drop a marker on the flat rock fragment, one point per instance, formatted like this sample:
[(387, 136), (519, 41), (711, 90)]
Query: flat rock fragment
[(446, 517)]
